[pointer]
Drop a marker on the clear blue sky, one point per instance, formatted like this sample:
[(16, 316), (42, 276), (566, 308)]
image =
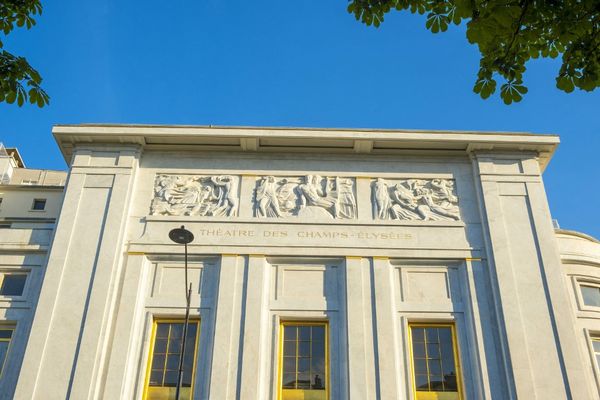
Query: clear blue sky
[(283, 63)]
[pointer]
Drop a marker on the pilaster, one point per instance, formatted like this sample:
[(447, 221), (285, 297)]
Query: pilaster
[(73, 324), (538, 343)]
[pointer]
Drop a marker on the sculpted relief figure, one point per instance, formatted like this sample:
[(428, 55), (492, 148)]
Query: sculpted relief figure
[(415, 199), (195, 195), (311, 196)]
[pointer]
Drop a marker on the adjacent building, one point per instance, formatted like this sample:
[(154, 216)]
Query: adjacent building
[(30, 201), (326, 264)]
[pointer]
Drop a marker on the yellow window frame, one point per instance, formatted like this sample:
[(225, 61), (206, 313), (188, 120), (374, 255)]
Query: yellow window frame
[(6, 327), (282, 325), (151, 355), (421, 395)]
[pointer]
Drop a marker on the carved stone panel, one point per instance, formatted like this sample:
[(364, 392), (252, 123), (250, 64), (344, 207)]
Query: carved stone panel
[(415, 199), (310, 197), (196, 195)]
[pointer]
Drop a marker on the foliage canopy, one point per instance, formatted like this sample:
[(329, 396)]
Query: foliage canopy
[(19, 81), (509, 33)]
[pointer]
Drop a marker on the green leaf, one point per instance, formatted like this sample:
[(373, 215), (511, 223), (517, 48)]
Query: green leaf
[(11, 97)]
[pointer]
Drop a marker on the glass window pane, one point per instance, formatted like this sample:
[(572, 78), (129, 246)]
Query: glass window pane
[(171, 378), (421, 382), (317, 364), (435, 382), (318, 333), (420, 366), (303, 349), (289, 381), (303, 380), (13, 284), (173, 361), (450, 384), (289, 332), (304, 333), (432, 335), (304, 365), (318, 382), (3, 351), (158, 361), (176, 330), (596, 344), (289, 349), (418, 350), (591, 295), (174, 345), (160, 346), (418, 334), (38, 204), (162, 330), (435, 367), (318, 349), (445, 335), (6, 333), (448, 357), (433, 351), (156, 378), (289, 365)]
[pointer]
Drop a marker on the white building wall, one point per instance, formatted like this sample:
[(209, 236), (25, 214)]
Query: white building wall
[(25, 238), (496, 274)]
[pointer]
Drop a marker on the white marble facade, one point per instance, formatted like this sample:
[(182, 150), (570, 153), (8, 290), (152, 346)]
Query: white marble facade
[(348, 227)]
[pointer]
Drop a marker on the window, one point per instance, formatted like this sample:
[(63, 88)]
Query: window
[(6, 333), (436, 371), (38, 204), (304, 370), (591, 295), (163, 366), (596, 347), (12, 284)]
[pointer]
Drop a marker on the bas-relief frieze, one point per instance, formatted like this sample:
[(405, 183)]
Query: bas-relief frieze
[(415, 199), (196, 195), (310, 196)]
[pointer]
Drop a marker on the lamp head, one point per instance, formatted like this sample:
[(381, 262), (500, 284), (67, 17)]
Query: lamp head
[(181, 235)]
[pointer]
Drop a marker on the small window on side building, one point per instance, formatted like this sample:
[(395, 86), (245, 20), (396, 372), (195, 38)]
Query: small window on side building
[(12, 284), (38, 204), (6, 333), (596, 348), (590, 295)]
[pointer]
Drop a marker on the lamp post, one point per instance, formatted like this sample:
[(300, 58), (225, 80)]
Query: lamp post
[(183, 236)]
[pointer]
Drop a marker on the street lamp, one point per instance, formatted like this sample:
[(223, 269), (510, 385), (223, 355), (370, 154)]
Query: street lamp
[(183, 236)]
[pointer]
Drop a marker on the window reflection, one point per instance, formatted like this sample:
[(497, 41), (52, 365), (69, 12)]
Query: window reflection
[(304, 361), (434, 364), (165, 358)]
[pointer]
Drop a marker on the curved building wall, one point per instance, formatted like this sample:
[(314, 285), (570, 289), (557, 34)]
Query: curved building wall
[(580, 256)]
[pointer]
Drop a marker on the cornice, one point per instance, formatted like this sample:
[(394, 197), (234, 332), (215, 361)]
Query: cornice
[(303, 140)]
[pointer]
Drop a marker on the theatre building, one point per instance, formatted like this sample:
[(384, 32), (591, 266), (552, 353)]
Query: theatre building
[(325, 264)]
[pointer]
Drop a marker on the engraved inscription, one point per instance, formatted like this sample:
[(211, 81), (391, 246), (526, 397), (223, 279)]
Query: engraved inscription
[(415, 199), (310, 196), (195, 195)]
